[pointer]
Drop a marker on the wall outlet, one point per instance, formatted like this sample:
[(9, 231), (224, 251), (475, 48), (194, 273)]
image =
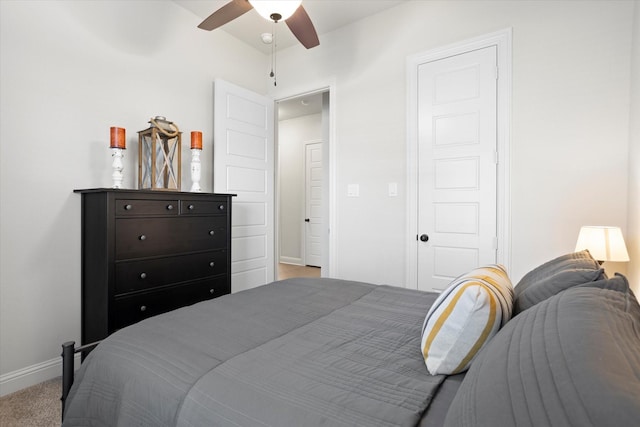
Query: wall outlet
[(353, 190)]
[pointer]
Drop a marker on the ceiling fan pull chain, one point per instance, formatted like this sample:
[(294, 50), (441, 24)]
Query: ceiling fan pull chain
[(273, 39), (273, 54)]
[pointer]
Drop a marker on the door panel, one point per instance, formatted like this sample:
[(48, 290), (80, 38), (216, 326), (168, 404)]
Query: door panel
[(246, 145), (459, 218), (450, 261), (457, 185), (244, 165)]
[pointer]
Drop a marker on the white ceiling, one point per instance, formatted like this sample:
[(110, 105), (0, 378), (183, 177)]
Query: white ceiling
[(326, 15), (300, 106)]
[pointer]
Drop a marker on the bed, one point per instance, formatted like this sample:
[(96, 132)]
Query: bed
[(331, 351), (328, 352)]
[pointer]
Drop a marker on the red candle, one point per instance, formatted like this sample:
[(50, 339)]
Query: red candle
[(118, 139), (196, 139)]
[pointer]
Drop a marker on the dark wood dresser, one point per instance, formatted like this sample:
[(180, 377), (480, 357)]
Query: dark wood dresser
[(148, 252)]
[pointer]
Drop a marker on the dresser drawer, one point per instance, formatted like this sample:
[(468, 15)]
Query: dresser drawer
[(138, 207), (203, 207), (138, 237), (132, 309), (134, 276)]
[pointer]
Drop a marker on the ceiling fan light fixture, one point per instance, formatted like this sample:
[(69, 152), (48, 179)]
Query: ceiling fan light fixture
[(277, 10)]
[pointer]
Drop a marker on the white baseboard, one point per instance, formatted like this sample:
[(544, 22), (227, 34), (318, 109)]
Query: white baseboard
[(32, 375), (291, 260)]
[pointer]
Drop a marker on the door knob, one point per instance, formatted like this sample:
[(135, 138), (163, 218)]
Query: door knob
[(307, 220), (424, 238)]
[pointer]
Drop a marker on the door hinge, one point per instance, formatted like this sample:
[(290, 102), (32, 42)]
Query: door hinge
[(495, 243), (496, 159), (495, 72)]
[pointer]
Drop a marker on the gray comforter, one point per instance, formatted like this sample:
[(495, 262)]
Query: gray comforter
[(300, 352)]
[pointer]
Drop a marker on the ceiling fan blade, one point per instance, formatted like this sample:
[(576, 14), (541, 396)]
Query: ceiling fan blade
[(301, 26), (226, 13)]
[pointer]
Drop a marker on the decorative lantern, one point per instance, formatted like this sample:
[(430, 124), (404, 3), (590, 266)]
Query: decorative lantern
[(160, 155)]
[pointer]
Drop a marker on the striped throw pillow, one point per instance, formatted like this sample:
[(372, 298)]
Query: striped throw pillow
[(465, 317)]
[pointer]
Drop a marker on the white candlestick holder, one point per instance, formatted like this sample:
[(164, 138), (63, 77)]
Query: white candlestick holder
[(118, 166), (195, 170)]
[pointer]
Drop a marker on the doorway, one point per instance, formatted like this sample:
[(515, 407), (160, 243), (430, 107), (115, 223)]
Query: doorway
[(246, 164), (301, 135)]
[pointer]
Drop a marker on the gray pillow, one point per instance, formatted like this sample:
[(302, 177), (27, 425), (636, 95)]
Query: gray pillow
[(555, 276), (573, 359)]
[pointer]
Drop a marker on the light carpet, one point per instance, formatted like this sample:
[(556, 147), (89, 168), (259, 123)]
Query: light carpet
[(35, 406)]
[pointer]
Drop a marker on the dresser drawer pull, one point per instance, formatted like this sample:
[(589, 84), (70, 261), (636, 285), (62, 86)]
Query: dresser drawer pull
[(221, 207), (212, 291), (212, 264), (143, 275), (191, 207), (128, 207), (211, 232), (169, 207), (142, 237), (143, 308)]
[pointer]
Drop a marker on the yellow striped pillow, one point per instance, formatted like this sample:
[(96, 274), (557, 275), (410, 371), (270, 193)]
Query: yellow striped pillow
[(465, 317)]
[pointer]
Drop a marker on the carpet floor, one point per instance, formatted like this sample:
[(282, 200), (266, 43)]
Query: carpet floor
[(35, 406)]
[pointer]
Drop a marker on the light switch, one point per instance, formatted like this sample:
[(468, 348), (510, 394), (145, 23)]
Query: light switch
[(353, 190), (393, 189)]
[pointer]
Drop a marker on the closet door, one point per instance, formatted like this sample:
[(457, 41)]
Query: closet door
[(457, 166)]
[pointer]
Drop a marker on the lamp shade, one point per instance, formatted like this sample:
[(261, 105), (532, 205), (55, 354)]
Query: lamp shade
[(604, 243), (283, 8)]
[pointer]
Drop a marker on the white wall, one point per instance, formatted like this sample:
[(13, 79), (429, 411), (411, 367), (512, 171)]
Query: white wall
[(570, 121), (292, 135), (633, 234), (69, 71)]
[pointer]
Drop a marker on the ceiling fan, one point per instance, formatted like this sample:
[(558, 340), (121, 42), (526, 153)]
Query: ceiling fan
[(291, 12)]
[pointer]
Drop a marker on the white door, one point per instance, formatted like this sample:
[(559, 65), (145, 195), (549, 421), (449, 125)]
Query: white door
[(313, 204), (243, 161), (457, 166)]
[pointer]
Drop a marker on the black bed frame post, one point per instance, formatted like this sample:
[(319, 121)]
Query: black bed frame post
[(68, 352)]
